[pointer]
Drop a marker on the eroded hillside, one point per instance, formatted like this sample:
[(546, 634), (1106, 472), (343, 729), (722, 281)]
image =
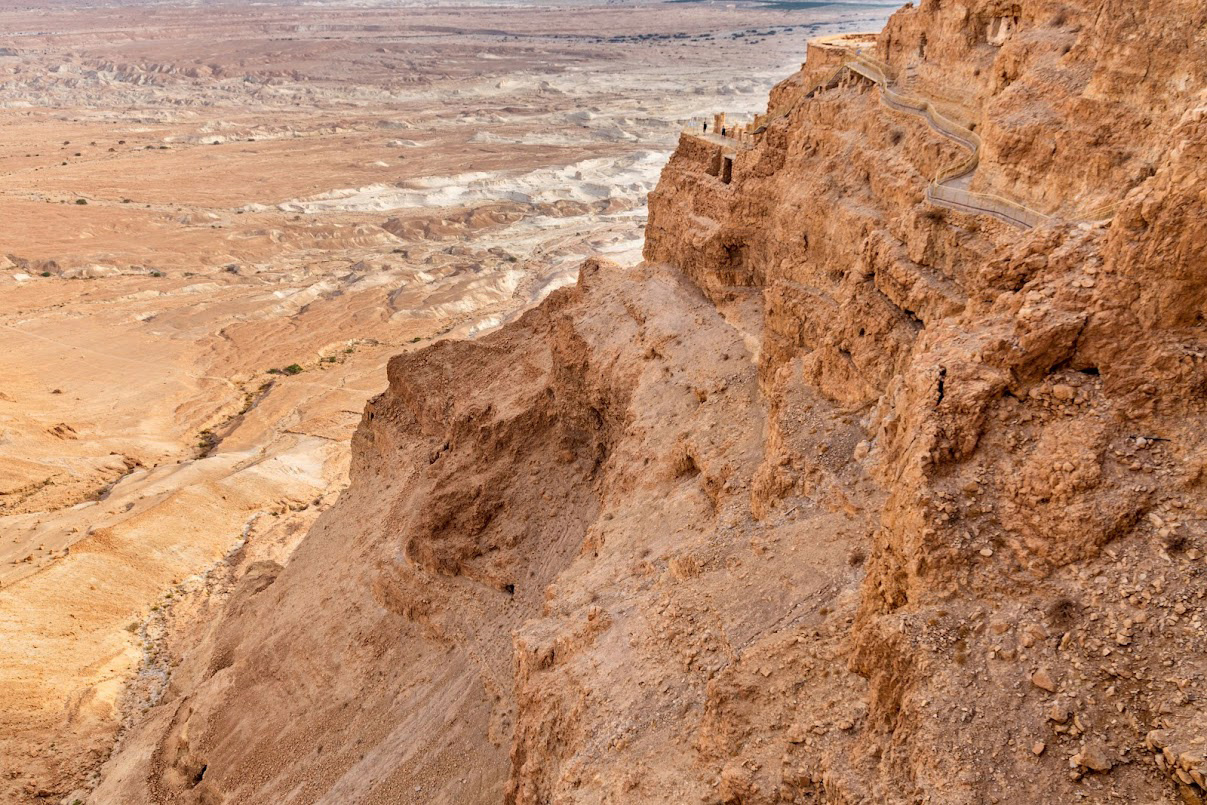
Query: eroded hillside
[(219, 221), (842, 496)]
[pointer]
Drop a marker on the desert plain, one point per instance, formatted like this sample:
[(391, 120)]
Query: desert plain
[(219, 221)]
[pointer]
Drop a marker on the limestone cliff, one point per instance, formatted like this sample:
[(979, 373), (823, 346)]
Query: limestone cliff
[(840, 497), (1032, 400), (1075, 100)]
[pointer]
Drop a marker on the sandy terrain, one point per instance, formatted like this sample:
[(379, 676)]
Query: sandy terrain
[(217, 224)]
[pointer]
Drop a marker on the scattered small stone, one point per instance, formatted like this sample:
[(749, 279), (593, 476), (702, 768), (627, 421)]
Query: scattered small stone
[(1030, 634), (1059, 713), (1093, 756), (1043, 680)]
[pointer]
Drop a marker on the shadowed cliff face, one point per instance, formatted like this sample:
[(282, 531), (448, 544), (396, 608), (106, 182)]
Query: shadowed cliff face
[(840, 497), (1030, 398), (547, 560)]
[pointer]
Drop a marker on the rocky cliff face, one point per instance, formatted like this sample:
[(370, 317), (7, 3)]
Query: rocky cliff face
[(546, 562), (1030, 399), (841, 497), (1075, 100)]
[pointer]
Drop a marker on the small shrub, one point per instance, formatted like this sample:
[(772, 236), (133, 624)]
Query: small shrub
[(1176, 543), (207, 440), (292, 369), (81, 201), (896, 136), (45, 273), (1063, 612), (156, 273)]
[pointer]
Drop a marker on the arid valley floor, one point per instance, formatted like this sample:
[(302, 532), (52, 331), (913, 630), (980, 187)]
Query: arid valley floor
[(217, 223), (415, 404)]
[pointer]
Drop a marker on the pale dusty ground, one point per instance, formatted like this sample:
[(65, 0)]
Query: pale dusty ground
[(267, 186)]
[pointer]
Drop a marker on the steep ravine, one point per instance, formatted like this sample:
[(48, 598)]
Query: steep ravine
[(839, 497)]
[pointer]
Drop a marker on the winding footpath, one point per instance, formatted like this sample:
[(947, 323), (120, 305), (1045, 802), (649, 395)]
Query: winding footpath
[(950, 188)]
